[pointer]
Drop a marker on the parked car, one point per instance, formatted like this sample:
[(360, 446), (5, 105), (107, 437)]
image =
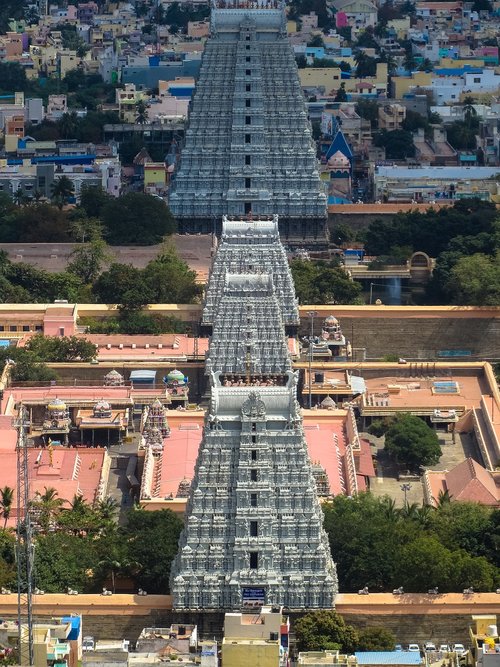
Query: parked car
[(398, 647), (459, 649), (414, 648), (429, 646), (444, 648)]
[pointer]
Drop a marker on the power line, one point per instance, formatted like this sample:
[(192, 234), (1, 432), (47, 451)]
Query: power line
[(24, 543)]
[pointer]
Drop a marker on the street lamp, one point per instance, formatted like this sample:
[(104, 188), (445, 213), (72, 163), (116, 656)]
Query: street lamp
[(311, 314), (405, 488)]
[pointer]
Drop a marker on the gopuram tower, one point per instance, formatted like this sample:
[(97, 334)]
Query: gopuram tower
[(248, 148), (253, 532)]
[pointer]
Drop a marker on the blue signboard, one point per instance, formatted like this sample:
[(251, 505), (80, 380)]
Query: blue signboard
[(454, 353), (253, 598)]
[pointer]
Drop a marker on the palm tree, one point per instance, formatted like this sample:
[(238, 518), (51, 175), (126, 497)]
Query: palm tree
[(112, 567), (444, 498), (107, 508), (62, 189), (19, 197), (49, 505), (68, 125), (6, 501), (469, 110), (142, 113)]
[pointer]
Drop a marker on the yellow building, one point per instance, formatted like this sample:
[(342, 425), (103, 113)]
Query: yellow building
[(403, 84), (155, 177), (253, 639), (401, 26), (326, 659)]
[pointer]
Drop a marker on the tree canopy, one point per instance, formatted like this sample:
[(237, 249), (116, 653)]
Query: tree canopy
[(413, 546), (411, 442), (138, 219), (325, 629), (323, 282)]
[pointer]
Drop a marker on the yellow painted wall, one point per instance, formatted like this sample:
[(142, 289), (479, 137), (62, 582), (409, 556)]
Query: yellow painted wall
[(155, 176), (402, 84), (250, 655), (312, 77), (461, 62)]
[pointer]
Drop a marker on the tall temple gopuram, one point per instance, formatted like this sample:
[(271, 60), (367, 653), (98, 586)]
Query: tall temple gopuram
[(248, 148), (253, 532)]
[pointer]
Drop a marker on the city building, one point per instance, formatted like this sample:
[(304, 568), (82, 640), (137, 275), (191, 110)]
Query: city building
[(248, 148), (254, 524), (259, 638), (325, 659)]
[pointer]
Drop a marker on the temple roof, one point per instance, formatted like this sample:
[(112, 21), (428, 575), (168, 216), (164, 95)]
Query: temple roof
[(252, 247), (339, 144)]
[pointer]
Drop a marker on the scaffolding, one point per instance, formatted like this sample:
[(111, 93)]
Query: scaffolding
[(24, 544)]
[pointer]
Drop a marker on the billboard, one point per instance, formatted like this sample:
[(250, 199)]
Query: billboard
[(253, 598)]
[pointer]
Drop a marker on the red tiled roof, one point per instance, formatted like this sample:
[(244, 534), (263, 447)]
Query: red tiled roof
[(364, 462), (469, 481)]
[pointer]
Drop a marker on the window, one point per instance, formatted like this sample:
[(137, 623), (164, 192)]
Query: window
[(477, 79), (26, 327), (248, 159), (254, 529), (38, 327), (2, 328), (248, 72), (254, 455), (253, 500), (12, 327), (254, 427), (248, 184), (254, 560), (248, 103), (248, 87), (253, 474), (248, 207), (247, 37), (248, 120), (247, 138), (247, 47), (247, 59)]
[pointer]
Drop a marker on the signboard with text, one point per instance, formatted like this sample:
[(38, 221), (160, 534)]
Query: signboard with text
[(253, 598)]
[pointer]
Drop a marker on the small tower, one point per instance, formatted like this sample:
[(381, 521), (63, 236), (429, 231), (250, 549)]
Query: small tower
[(102, 410), (114, 379), (155, 419)]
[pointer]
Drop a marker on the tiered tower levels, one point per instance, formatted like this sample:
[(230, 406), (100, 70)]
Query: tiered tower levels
[(252, 247), (248, 147), (254, 526)]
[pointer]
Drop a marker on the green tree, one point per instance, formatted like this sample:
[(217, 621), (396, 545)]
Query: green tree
[(366, 66), (141, 111), (323, 282), (88, 259), (93, 199), (368, 109), (410, 442), (6, 502), (170, 279), (61, 191), (39, 223), (475, 280), (137, 218), (63, 560), (341, 95), (325, 629), (152, 539), (123, 284), (376, 639), (61, 348), (316, 41), (46, 507), (398, 144)]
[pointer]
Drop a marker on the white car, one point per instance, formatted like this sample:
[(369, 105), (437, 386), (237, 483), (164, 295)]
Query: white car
[(414, 648), (429, 646), (459, 649), (444, 648)]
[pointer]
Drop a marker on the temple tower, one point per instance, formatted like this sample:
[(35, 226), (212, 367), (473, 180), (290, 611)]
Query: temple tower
[(248, 147), (254, 530)]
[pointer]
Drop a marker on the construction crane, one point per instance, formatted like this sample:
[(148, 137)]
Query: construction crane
[(24, 543)]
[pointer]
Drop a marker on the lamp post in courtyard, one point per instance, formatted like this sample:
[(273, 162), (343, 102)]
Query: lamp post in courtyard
[(311, 314), (405, 488)]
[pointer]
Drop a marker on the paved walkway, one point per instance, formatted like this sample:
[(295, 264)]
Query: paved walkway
[(387, 482)]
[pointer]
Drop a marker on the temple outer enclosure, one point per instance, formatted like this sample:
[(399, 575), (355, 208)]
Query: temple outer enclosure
[(254, 530), (248, 149)]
